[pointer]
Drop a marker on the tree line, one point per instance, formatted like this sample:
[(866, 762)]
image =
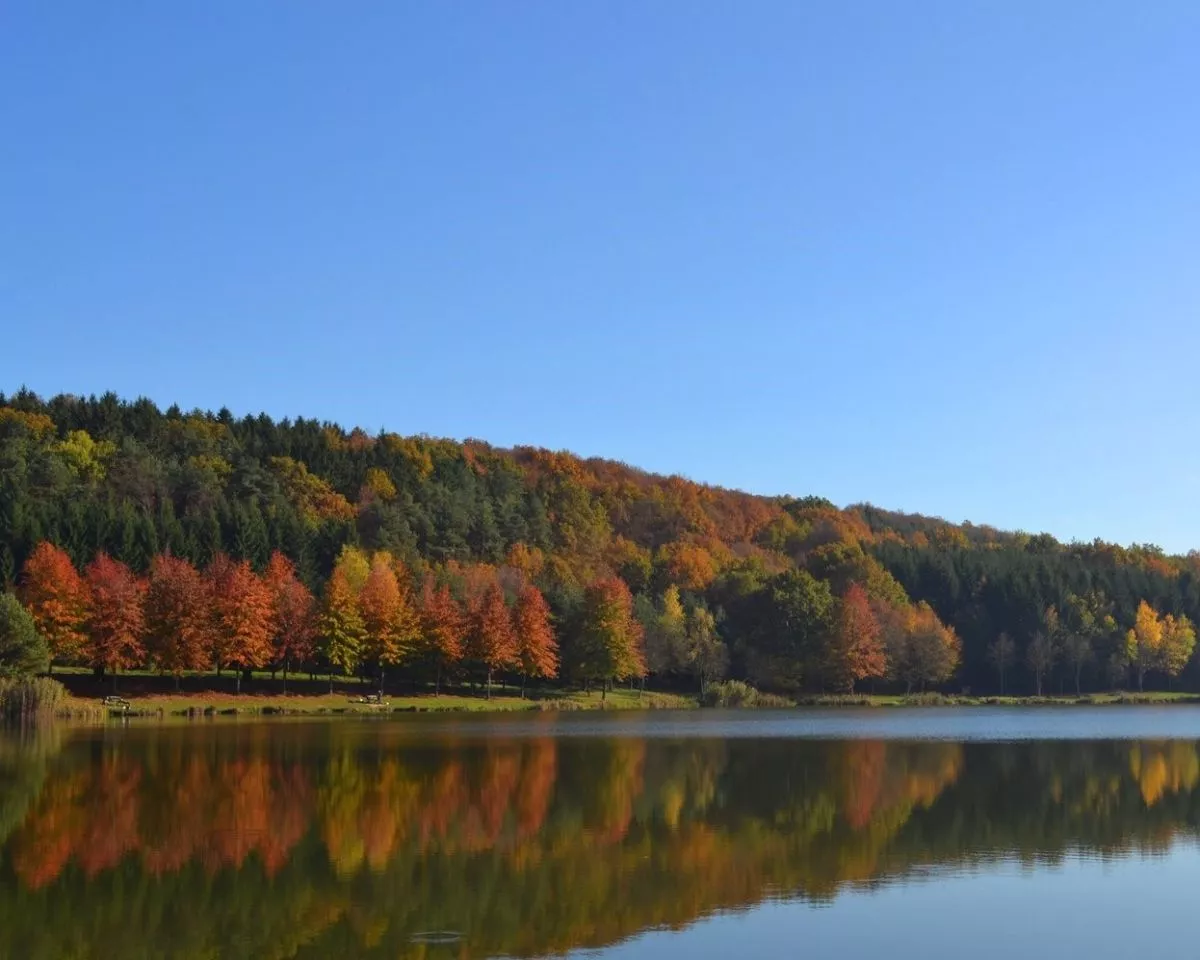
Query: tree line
[(642, 576), (178, 618)]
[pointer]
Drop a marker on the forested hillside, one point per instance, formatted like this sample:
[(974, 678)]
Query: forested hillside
[(187, 541)]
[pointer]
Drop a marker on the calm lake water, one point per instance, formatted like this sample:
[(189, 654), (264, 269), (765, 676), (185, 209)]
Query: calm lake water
[(906, 833)]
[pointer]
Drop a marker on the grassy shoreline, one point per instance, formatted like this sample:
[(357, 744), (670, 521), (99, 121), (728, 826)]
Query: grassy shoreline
[(215, 703), (340, 704)]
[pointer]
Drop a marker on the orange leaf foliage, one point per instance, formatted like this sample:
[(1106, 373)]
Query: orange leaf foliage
[(293, 610), (492, 640), (242, 612), (178, 617), (57, 599), (117, 626), (388, 613), (857, 651), (538, 648), (442, 622)]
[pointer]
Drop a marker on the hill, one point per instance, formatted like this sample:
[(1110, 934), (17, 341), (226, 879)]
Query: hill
[(792, 593)]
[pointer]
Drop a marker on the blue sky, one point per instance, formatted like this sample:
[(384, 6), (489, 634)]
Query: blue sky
[(940, 256)]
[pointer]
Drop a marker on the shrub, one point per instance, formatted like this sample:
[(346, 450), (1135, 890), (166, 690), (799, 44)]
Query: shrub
[(836, 700), (736, 694), (929, 700)]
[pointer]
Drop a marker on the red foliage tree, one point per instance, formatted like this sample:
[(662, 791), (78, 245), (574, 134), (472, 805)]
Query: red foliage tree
[(242, 616), (117, 627), (293, 614), (178, 616), (442, 627), (56, 596), (492, 640), (857, 649), (536, 643)]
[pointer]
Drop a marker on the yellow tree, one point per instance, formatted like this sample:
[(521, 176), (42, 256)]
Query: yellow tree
[(389, 616), (341, 623), (1144, 641), (665, 637), (1178, 642)]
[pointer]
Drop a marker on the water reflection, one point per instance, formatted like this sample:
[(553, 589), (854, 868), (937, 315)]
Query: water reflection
[(362, 841)]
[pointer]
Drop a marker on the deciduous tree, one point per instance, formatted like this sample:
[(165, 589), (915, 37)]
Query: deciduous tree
[(665, 635), (537, 645), (1001, 654), (56, 596), (935, 649), (610, 643), (242, 612), (1178, 643), (341, 624), (856, 649), (1039, 657), (178, 617), (707, 657), (389, 616), (117, 626), (1144, 642), (442, 626), (793, 629), (921, 649), (293, 614), (492, 641)]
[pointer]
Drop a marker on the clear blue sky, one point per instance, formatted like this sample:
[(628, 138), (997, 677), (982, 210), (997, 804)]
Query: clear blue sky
[(942, 256)]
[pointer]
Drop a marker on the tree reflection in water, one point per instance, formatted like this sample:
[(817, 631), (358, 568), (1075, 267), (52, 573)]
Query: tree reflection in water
[(346, 840)]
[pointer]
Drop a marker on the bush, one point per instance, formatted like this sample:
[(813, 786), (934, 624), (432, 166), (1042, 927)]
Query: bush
[(836, 700), (736, 694), (27, 697), (929, 700)]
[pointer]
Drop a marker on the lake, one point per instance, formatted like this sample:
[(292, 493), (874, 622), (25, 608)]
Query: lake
[(842, 833)]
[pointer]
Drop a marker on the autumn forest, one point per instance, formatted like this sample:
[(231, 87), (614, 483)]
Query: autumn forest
[(137, 538)]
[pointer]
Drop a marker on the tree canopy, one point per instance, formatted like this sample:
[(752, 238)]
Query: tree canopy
[(402, 538)]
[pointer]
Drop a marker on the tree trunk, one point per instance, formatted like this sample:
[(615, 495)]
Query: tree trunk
[(331, 681), (604, 690), (437, 681), (489, 683), (239, 682), (177, 679), (1078, 688), (381, 681), (285, 669), (522, 686)]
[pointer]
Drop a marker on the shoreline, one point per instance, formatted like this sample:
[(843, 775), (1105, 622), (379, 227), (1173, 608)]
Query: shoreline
[(214, 704)]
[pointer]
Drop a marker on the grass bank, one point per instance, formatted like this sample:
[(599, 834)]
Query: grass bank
[(338, 704), (958, 700), (151, 695)]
